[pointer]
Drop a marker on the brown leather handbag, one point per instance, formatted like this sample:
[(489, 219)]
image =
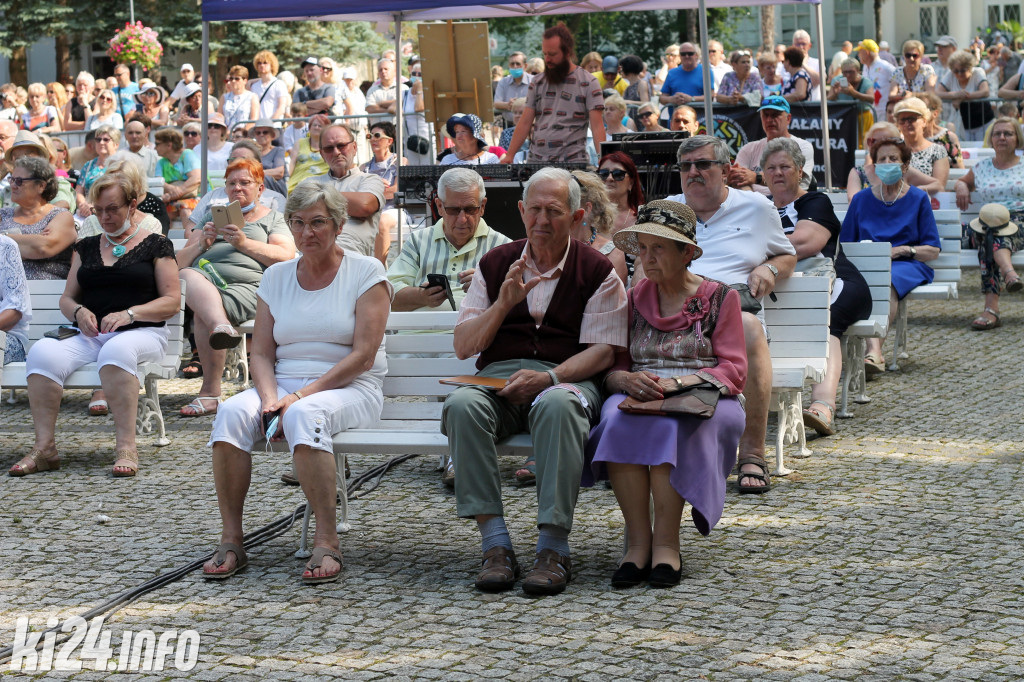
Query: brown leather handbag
[(698, 400)]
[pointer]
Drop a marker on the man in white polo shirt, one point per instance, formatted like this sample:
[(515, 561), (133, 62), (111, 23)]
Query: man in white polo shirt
[(743, 243)]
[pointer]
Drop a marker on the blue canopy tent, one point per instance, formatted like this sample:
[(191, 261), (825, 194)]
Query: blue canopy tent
[(438, 10)]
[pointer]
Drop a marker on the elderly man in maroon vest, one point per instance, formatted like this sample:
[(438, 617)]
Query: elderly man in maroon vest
[(546, 314)]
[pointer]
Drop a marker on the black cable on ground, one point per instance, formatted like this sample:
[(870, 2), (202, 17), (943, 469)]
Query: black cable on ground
[(256, 538)]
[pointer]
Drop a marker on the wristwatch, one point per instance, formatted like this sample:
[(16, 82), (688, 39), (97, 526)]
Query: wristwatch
[(913, 252), (758, 179), (131, 316), (775, 270)]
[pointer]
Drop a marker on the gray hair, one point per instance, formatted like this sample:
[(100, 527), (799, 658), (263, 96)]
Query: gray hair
[(113, 132), (550, 174), (460, 180), (800, 33), (850, 64), (308, 194), (787, 145), (692, 144), (85, 77), (40, 169), (602, 210)]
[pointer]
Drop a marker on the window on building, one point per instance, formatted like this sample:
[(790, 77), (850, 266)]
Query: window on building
[(849, 20)]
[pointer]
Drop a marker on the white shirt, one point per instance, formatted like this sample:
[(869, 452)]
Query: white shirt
[(879, 74), (268, 105), (315, 330), (148, 159), (744, 232), (720, 71)]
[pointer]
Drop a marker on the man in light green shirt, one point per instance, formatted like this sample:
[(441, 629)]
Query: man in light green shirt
[(452, 247)]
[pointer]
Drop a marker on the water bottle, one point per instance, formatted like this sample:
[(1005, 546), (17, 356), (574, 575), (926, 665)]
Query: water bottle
[(207, 267)]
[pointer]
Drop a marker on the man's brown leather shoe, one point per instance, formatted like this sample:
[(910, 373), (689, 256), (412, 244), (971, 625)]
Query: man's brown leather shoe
[(550, 573), (499, 572)]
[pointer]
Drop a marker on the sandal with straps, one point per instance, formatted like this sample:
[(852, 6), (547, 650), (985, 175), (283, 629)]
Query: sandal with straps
[(316, 561), (196, 407), (982, 323), (815, 418), (126, 463), (1013, 283), (758, 461), (224, 336), (220, 557), (34, 463)]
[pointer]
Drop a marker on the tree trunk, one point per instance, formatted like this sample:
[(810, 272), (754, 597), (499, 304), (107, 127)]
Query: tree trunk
[(767, 28), (878, 20), (692, 22), (63, 61), (18, 66)]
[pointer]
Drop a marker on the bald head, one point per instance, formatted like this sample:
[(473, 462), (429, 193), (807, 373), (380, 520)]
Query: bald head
[(8, 129)]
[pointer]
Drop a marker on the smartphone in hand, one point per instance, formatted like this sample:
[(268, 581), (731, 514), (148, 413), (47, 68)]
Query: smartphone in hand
[(436, 280), (271, 424)]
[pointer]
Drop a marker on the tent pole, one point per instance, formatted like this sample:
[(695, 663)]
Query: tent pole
[(826, 144), (204, 110), (709, 117), (399, 106)]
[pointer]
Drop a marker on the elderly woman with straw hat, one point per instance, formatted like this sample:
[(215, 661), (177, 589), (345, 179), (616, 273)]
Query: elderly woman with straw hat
[(686, 333)]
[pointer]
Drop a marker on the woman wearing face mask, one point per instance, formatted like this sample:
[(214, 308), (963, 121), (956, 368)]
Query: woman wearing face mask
[(894, 211)]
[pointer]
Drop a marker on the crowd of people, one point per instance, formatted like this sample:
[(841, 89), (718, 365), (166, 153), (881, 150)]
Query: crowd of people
[(613, 302)]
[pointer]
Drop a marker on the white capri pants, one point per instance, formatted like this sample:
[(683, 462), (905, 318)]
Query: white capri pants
[(308, 421), (57, 360)]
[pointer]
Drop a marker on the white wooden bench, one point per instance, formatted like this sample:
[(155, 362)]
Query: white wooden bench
[(798, 326), (874, 261), (945, 285), (46, 315)]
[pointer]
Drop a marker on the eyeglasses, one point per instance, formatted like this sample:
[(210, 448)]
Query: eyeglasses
[(332, 148), (376, 136), (318, 224), (911, 55), (415, 73), (687, 54), (961, 71), (106, 99), (261, 132), (645, 114), (18, 182), (1004, 133), (100, 211), (702, 165), (239, 184), (104, 139), (906, 120), (327, 68), (617, 174), (454, 211), (191, 133), (230, 78)]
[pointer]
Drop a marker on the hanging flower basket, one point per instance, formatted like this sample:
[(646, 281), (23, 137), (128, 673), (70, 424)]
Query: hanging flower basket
[(137, 45)]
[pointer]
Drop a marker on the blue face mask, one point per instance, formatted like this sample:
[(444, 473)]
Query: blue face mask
[(889, 173), (414, 79), (516, 73), (246, 209)]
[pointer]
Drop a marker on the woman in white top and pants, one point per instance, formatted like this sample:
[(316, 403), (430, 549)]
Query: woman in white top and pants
[(318, 359)]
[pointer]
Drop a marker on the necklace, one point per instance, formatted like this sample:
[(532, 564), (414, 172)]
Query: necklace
[(881, 191), (119, 246)]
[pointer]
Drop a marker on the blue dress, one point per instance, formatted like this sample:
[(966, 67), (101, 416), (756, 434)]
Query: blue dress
[(908, 222)]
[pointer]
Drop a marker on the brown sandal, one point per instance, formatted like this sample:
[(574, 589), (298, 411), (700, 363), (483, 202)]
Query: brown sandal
[(316, 561), (220, 557), (127, 460), (35, 462), (758, 461), (550, 574), (499, 570)]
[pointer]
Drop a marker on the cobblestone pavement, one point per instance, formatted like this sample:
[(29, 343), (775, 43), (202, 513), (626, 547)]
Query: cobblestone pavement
[(893, 552)]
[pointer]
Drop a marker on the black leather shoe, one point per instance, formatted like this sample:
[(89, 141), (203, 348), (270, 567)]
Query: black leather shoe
[(664, 575), (629, 574)]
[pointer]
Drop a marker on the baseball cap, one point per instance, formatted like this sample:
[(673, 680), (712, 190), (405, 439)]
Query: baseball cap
[(775, 102), (947, 41), (311, 61), (610, 64), (867, 45), (348, 73), (186, 67)]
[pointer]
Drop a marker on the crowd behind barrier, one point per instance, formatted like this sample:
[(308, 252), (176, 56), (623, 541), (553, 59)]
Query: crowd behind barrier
[(101, 181)]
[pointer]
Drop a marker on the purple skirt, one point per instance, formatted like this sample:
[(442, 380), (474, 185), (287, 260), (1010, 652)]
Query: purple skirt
[(702, 452)]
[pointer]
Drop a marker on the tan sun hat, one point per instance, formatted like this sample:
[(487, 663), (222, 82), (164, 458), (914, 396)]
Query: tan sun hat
[(994, 218), (660, 218), (914, 105)]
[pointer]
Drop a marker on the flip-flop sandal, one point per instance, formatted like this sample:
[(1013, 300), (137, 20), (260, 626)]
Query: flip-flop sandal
[(528, 474), (196, 407), (128, 463), (873, 364), (315, 562), (220, 556), (99, 408), (193, 369), (224, 336), (763, 476), (815, 419), (982, 323)]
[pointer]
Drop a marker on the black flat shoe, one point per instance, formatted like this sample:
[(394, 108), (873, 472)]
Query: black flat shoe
[(629, 574), (664, 575)]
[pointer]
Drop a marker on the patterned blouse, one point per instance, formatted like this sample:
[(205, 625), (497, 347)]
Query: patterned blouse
[(942, 138), (789, 85), (1005, 187), (915, 84), (731, 84), (56, 267), (925, 159), (14, 290)]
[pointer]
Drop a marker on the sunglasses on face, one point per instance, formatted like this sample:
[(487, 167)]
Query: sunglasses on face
[(332, 148), (18, 182), (687, 54), (230, 78), (191, 133), (104, 139), (911, 55), (327, 68), (106, 99), (645, 114), (376, 136), (702, 165), (262, 132), (617, 174)]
